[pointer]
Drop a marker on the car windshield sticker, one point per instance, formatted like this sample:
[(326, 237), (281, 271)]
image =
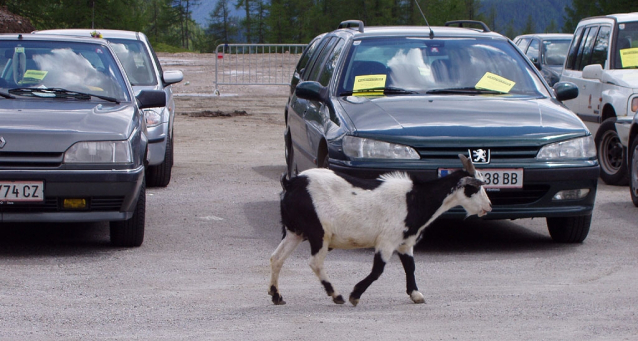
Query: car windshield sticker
[(362, 83), (494, 82), (629, 57), (425, 71), (19, 49), (33, 76)]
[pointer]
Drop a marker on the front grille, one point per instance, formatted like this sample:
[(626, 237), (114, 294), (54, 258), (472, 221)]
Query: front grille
[(528, 195), (30, 160), (54, 204), (498, 153)]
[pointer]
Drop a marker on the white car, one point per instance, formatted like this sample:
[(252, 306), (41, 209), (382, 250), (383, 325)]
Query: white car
[(603, 63), (144, 72)]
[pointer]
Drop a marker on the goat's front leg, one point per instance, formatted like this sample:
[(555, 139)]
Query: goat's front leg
[(381, 257), (319, 253), (407, 259), (285, 248)]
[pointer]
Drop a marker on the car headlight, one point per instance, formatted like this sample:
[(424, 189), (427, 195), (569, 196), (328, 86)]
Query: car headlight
[(634, 104), (153, 117), (99, 152), (580, 148), (363, 148)]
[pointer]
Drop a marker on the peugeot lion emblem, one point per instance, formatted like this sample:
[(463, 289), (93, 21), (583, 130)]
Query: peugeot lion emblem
[(479, 155), (2, 142)]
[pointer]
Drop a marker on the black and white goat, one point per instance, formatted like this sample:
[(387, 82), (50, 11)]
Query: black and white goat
[(338, 212)]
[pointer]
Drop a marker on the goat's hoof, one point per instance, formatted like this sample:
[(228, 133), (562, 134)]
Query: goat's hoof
[(417, 297), (338, 300), (354, 301), (278, 300)]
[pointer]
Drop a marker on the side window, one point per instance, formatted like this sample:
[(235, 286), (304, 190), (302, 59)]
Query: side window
[(584, 57), (314, 56), (305, 57), (314, 73), (522, 44), (573, 49), (532, 51), (331, 63), (601, 46)]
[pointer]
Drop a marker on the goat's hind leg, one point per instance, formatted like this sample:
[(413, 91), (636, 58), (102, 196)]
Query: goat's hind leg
[(316, 263), (285, 248), (407, 259)]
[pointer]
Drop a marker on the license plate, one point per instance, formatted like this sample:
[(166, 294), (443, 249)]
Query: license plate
[(496, 178), (21, 191)]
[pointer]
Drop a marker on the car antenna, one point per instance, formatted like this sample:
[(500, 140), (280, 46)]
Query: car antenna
[(426, 20)]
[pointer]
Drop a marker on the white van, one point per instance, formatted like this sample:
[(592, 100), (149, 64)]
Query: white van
[(603, 62)]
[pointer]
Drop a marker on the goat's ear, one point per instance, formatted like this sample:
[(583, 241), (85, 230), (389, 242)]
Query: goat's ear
[(470, 181), (467, 164)]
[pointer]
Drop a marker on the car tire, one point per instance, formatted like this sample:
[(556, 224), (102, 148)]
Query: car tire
[(633, 172), (160, 175), (325, 162), (569, 229), (130, 233), (289, 154), (611, 154)]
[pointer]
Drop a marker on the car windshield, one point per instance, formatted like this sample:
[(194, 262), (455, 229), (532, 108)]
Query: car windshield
[(60, 69), (444, 66), (136, 61), (555, 51), (627, 46)]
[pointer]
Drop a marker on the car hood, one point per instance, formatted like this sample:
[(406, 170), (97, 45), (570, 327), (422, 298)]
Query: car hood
[(445, 119), (625, 78), (54, 125)]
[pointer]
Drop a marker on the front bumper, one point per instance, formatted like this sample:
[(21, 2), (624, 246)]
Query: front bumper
[(110, 194), (534, 200)]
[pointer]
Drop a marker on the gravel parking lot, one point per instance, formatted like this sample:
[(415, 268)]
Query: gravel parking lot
[(203, 270)]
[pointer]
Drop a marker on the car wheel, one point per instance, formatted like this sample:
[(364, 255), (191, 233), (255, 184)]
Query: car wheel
[(289, 154), (611, 154), (569, 229), (325, 161), (130, 233), (633, 172), (160, 175)]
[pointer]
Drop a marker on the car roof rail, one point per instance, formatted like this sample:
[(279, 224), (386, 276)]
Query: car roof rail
[(469, 22), (352, 23)]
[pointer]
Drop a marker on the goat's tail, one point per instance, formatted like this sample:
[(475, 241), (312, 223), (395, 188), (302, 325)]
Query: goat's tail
[(285, 182)]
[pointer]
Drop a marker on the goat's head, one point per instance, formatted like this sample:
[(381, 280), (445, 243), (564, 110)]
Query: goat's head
[(470, 192)]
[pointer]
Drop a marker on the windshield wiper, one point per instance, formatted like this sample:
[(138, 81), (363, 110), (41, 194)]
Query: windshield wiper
[(58, 93), (467, 90), (388, 90)]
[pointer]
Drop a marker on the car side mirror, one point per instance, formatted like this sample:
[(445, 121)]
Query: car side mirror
[(312, 91), (151, 99), (172, 76), (565, 91), (593, 71)]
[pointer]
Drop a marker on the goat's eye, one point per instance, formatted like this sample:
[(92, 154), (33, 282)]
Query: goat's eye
[(471, 190)]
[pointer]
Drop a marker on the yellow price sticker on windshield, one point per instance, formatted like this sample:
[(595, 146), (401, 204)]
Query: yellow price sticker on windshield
[(369, 82), (37, 75), (629, 57), (493, 82)]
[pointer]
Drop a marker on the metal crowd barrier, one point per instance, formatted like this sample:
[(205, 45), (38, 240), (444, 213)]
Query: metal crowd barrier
[(256, 64)]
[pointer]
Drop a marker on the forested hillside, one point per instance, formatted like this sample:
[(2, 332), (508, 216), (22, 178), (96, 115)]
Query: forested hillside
[(171, 26)]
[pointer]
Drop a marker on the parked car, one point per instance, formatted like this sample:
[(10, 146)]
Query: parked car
[(144, 72), (602, 62), (73, 145), (547, 51), (372, 100), (628, 134)]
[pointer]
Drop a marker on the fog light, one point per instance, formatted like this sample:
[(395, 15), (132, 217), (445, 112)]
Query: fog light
[(74, 204), (571, 194)]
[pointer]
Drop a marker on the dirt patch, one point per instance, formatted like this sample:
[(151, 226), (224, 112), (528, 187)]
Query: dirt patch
[(218, 113), (11, 23)]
